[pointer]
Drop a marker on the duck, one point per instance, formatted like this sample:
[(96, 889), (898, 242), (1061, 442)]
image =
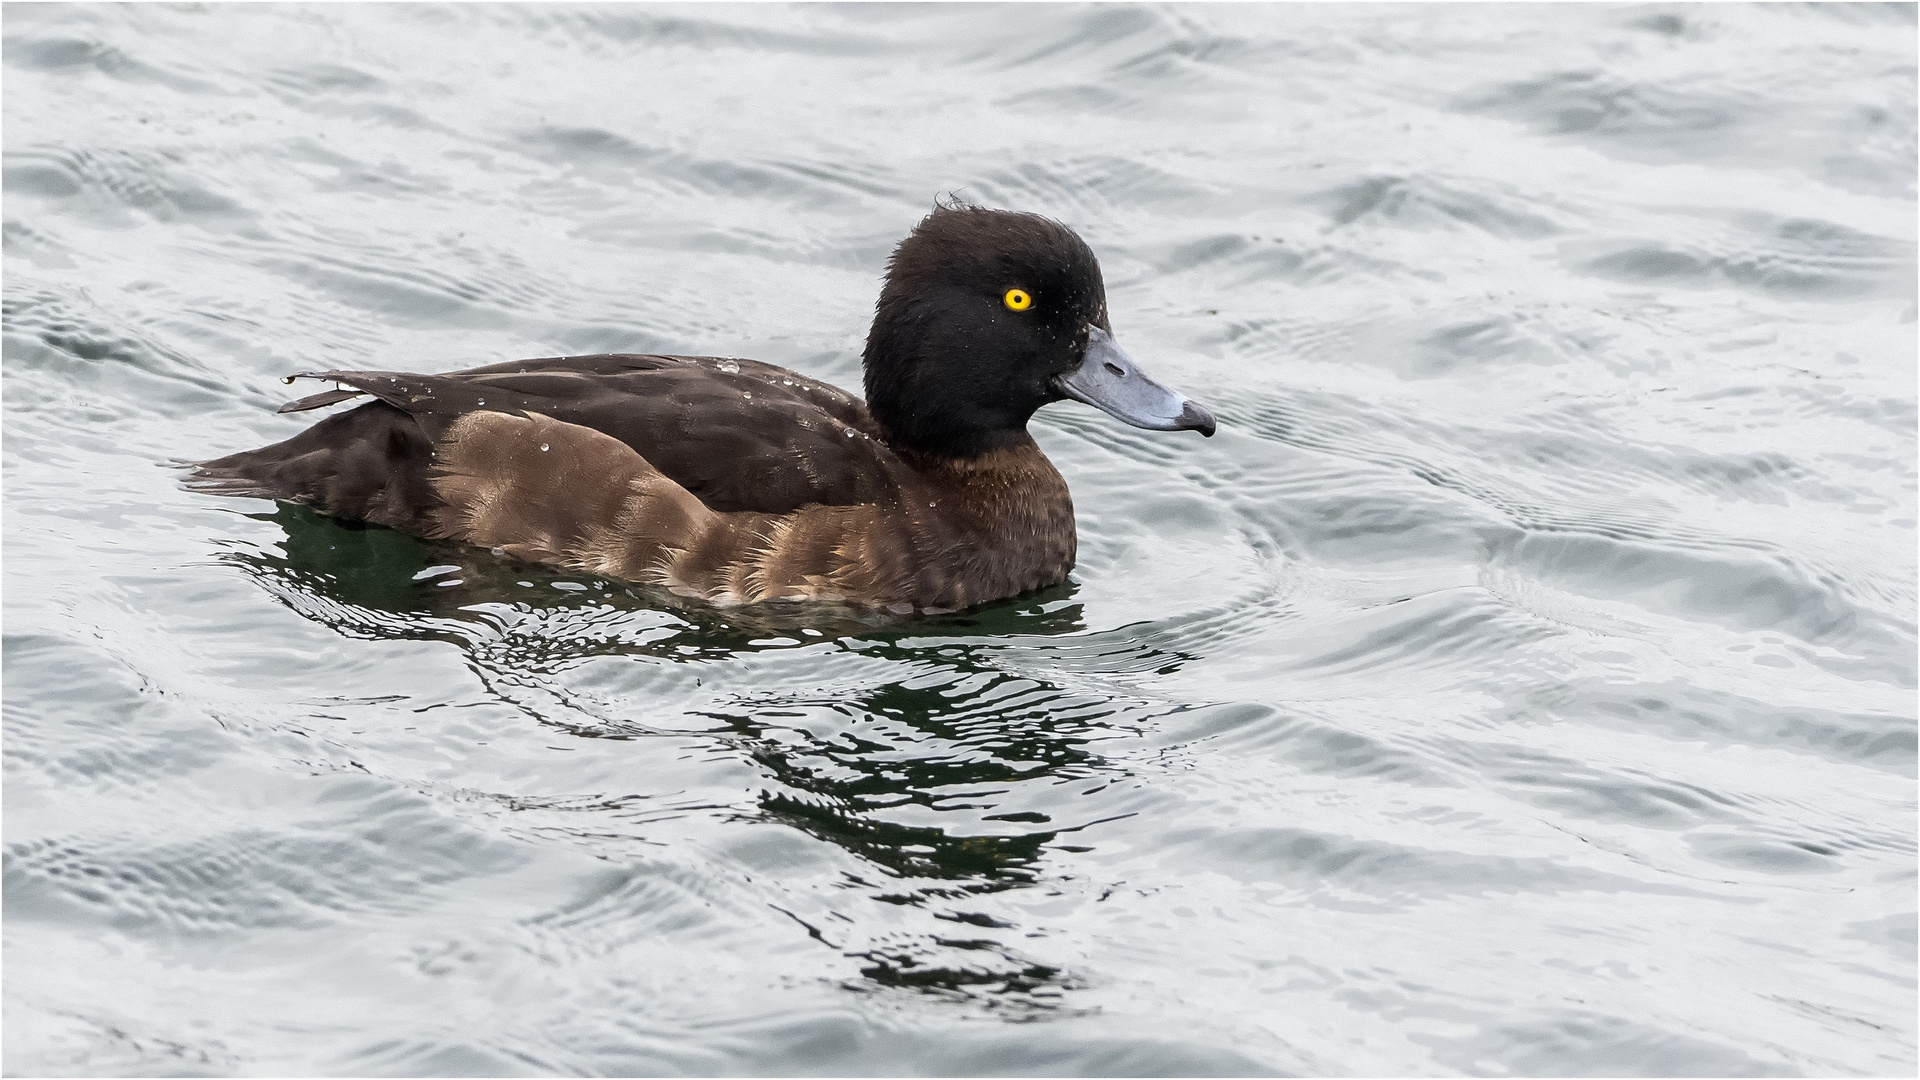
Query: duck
[(732, 481)]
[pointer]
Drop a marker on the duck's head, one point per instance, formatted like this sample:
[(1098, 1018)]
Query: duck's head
[(986, 316)]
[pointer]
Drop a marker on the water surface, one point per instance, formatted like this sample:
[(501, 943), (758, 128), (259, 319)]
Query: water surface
[(1521, 682)]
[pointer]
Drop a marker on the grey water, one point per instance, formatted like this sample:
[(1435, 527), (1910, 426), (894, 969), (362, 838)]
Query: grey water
[(1522, 682)]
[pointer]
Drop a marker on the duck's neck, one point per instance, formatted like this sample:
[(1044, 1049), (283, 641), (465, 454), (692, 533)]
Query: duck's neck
[(1010, 460), (1011, 506), (944, 435)]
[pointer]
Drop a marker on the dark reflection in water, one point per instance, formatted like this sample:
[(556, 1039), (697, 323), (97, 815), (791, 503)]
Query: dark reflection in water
[(947, 751), (1025, 987), (1005, 754), (953, 735), (1004, 758)]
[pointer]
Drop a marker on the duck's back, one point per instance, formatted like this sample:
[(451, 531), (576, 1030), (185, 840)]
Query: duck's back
[(737, 434)]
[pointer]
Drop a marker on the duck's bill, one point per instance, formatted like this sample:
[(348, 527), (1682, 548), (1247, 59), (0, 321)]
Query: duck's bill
[(1110, 381)]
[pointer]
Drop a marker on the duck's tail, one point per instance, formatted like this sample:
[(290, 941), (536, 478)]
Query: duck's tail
[(366, 464)]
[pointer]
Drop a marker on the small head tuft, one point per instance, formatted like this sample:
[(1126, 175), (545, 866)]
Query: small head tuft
[(961, 244)]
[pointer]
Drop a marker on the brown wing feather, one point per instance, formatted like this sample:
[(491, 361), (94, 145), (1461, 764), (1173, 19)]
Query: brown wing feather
[(740, 435), (559, 493)]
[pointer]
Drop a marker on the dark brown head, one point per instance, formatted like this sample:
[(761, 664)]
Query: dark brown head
[(986, 316)]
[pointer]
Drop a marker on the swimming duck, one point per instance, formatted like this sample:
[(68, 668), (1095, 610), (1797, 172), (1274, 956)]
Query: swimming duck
[(735, 481)]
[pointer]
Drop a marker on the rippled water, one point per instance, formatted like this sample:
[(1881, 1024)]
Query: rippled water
[(1521, 682)]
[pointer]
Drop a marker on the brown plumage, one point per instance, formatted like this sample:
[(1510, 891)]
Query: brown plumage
[(739, 482)]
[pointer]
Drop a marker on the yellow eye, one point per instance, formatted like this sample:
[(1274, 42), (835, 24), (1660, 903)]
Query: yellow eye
[(1018, 300)]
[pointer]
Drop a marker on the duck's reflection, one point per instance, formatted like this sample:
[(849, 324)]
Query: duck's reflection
[(960, 783), (950, 774)]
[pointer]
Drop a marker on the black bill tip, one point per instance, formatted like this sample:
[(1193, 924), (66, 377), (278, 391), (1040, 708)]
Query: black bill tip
[(1195, 417)]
